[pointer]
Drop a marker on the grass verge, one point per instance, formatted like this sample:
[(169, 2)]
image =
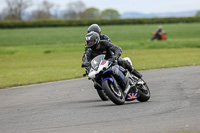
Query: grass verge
[(29, 68)]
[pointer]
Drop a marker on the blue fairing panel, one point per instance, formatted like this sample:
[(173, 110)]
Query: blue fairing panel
[(109, 78)]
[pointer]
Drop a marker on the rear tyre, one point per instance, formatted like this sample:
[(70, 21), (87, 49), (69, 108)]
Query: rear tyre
[(144, 92), (114, 93)]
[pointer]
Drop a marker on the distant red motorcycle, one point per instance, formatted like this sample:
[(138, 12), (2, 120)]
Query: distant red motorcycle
[(163, 36)]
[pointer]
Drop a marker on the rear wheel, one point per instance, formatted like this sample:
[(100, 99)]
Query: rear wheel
[(144, 91), (114, 92)]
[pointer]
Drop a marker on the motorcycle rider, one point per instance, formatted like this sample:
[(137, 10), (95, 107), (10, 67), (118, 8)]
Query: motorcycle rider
[(97, 29), (158, 33), (112, 52)]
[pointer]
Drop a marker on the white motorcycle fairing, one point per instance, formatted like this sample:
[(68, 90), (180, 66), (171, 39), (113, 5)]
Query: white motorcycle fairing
[(103, 66)]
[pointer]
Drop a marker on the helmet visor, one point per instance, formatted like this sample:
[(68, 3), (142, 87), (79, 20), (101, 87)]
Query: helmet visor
[(90, 43)]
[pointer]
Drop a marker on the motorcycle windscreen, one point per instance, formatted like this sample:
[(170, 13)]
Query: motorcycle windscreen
[(97, 61)]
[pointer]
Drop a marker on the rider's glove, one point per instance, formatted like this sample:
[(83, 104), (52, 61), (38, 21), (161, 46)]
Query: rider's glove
[(113, 58)]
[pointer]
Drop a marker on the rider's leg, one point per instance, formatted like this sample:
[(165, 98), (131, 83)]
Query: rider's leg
[(118, 74), (127, 65)]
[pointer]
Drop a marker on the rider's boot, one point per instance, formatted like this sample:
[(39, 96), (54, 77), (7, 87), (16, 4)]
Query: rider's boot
[(133, 71)]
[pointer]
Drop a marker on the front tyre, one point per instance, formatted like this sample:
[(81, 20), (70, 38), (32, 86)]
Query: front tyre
[(101, 92), (113, 92), (102, 95)]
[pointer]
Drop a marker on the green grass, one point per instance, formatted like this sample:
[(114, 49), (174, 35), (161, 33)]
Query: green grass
[(22, 69), (163, 58), (72, 39), (38, 55), (68, 35)]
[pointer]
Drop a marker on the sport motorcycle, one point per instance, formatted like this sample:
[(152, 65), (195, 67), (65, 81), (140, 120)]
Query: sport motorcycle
[(116, 83)]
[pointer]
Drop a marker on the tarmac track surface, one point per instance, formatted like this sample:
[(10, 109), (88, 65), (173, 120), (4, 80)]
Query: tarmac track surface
[(73, 106)]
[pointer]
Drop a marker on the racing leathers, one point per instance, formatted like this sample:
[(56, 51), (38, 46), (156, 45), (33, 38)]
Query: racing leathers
[(112, 53), (102, 37)]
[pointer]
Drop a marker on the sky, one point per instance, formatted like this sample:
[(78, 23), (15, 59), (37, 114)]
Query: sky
[(142, 6)]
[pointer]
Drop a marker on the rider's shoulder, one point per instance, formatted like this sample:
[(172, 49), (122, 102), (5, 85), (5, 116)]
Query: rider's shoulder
[(104, 37), (104, 42)]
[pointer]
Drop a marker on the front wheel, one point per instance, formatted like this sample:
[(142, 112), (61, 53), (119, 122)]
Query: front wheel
[(114, 92), (101, 92), (102, 95)]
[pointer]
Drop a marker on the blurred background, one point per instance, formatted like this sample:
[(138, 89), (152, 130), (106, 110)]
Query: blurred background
[(89, 9)]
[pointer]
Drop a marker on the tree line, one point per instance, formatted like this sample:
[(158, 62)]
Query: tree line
[(16, 9)]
